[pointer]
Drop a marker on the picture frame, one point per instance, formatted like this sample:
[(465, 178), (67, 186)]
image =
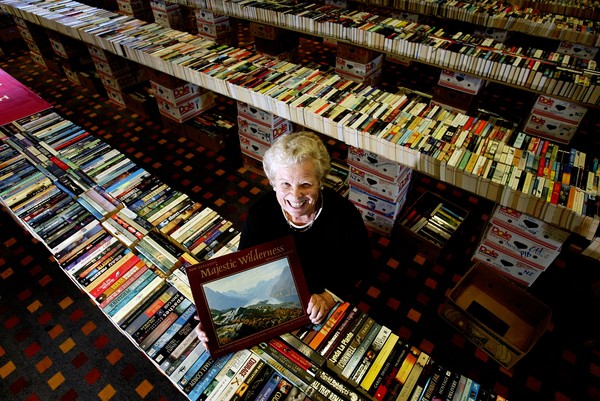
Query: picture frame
[(250, 295)]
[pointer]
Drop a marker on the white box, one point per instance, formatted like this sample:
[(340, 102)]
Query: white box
[(518, 270), (209, 16), (385, 188), (375, 203), (372, 79), (260, 116), (375, 221), (116, 96), (375, 164), (176, 94), (522, 246), (550, 128), (358, 69), (550, 236), (578, 50), (460, 82), (214, 28), (261, 132), (557, 109), (187, 109), (252, 147)]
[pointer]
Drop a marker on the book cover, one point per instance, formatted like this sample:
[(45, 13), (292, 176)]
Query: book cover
[(18, 101), (249, 296)]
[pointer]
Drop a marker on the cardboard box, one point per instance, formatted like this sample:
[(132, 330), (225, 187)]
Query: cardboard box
[(460, 82), (355, 53), (253, 147), (520, 271), (358, 69), (371, 79), (189, 108), (550, 128), (175, 94), (502, 319), (257, 115), (520, 245), (375, 221), (266, 31), (385, 188), (550, 236), (375, 163), (263, 133), (558, 109), (207, 16), (371, 201)]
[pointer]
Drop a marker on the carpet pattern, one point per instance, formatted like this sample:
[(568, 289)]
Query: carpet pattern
[(57, 346)]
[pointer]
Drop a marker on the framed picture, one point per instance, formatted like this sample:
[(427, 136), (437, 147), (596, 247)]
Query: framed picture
[(250, 296)]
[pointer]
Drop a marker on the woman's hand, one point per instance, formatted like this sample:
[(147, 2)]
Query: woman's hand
[(319, 306), (201, 333)]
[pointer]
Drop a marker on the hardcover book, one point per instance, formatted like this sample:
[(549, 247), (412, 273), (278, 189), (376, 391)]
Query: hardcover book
[(249, 296)]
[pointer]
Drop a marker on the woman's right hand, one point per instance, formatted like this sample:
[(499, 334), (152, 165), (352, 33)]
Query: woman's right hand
[(201, 333)]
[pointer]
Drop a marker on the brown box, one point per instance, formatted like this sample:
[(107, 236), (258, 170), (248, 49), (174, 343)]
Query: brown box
[(265, 31), (497, 315), (355, 53)]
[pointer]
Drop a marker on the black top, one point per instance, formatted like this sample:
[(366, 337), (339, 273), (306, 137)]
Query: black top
[(335, 252)]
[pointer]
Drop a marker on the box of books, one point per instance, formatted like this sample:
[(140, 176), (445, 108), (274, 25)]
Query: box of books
[(118, 82), (372, 79), (172, 18), (214, 29), (461, 82), (496, 315), (115, 96), (431, 223), (266, 31)]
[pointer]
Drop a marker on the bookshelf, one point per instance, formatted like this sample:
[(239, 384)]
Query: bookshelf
[(214, 68)]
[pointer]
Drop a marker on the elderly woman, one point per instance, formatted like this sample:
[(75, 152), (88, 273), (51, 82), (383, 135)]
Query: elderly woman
[(331, 239)]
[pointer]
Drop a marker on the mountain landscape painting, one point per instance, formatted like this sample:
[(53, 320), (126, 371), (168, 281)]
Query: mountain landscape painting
[(252, 301)]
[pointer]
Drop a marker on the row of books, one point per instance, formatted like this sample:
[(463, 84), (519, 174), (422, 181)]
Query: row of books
[(365, 360), (355, 108), (503, 16), (152, 307), (529, 68), (364, 27)]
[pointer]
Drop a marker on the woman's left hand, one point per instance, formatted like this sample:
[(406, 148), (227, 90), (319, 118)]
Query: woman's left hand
[(319, 306)]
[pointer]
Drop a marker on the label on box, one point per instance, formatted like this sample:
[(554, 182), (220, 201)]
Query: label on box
[(518, 270), (550, 236), (375, 164), (460, 82), (557, 109)]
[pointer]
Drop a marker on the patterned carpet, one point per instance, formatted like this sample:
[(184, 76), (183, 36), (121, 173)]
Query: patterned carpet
[(55, 345)]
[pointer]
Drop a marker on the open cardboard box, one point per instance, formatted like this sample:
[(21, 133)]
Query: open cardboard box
[(497, 315)]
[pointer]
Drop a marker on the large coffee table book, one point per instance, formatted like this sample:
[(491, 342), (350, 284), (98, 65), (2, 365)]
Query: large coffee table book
[(250, 296)]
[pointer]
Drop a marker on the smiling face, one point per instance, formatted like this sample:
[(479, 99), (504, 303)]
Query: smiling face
[(298, 188)]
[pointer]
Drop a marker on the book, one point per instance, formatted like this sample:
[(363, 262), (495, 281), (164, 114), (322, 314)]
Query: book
[(330, 325), (277, 263), (348, 361), (382, 356), (369, 355)]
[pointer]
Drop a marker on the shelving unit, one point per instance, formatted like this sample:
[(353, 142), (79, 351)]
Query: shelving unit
[(160, 48)]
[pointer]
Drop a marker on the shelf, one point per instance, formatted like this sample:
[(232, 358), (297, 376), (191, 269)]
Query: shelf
[(149, 53)]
